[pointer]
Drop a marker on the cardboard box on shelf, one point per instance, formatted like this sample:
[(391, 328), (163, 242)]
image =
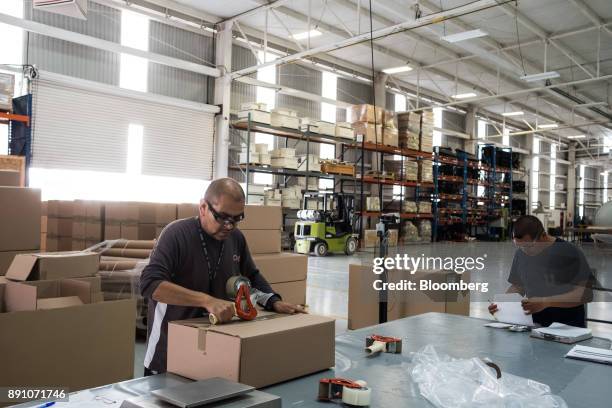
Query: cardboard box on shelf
[(78, 339), (261, 217), (291, 292), (366, 113), (390, 137), (389, 119), (263, 241), (10, 178), (257, 115), (284, 162), (242, 350), (53, 266), (408, 139), (363, 299), (425, 207), (368, 132), (326, 128), (20, 212), (282, 267), (253, 105), (283, 152), (409, 207), (278, 118), (344, 130), (187, 210)]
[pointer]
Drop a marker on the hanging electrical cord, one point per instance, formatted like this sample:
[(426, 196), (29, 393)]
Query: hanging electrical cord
[(518, 37)]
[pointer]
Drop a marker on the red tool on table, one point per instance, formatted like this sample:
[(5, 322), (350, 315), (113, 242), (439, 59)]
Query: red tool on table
[(354, 393), (238, 288), (376, 344)]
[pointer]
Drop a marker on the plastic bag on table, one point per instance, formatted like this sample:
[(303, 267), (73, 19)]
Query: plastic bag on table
[(460, 383)]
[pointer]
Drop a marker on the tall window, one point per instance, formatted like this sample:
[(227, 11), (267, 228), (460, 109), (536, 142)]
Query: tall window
[(437, 136), (581, 195), (553, 175), (328, 114), (11, 53), (267, 96), (535, 173), (482, 129), (135, 34)]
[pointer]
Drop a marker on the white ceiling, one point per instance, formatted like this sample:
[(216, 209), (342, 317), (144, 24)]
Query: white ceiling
[(423, 46)]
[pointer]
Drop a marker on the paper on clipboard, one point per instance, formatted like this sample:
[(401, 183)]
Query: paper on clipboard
[(510, 310)]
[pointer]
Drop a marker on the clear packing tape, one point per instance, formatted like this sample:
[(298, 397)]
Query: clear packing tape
[(461, 383)]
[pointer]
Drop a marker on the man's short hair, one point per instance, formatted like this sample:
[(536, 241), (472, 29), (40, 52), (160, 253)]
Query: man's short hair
[(528, 225), (224, 186)]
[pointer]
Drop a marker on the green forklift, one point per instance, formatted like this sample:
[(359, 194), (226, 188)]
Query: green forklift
[(327, 228)]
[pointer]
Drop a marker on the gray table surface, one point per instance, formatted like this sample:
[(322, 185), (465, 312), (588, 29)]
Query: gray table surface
[(580, 383)]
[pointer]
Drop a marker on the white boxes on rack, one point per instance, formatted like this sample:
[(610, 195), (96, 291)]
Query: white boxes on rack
[(424, 207), (273, 197), (310, 162), (326, 128), (284, 158), (259, 112), (292, 197), (345, 130), (427, 170), (309, 125), (283, 152), (7, 87), (372, 204), (409, 207), (284, 118)]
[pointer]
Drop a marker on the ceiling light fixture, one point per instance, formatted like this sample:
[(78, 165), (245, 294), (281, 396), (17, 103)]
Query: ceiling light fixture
[(576, 137), (464, 35), (541, 76), (517, 113), (397, 70), (548, 126), (464, 95), (306, 34)]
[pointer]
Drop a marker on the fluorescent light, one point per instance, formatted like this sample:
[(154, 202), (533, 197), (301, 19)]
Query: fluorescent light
[(465, 35), (517, 113), (306, 34), (541, 76), (548, 126), (576, 137), (396, 70), (464, 95)]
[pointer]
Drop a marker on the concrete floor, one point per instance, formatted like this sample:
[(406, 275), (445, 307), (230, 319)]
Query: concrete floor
[(327, 288)]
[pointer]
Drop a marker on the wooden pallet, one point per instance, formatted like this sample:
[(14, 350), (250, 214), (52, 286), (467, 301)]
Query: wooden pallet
[(377, 174), (15, 163), (338, 168)]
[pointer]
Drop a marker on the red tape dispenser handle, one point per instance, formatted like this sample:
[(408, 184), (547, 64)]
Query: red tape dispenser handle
[(245, 295)]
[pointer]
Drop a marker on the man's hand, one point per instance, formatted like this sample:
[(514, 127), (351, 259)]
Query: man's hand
[(222, 309), (287, 308), (534, 305), (493, 308)]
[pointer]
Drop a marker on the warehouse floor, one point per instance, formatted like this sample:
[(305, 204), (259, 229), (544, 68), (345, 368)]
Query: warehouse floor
[(327, 292)]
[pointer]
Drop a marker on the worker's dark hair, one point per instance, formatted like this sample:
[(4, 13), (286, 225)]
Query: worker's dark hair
[(224, 186), (528, 225)]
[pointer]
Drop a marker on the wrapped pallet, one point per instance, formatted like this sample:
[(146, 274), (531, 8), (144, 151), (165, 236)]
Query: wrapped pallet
[(409, 171), (427, 128), (409, 122), (389, 119), (408, 139), (409, 207), (367, 113), (424, 207), (390, 137), (368, 132), (410, 232), (426, 170), (425, 230)]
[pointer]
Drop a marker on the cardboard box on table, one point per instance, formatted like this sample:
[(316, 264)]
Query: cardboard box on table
[(363, 298), (20, 212), (76, 346), (243, 351)]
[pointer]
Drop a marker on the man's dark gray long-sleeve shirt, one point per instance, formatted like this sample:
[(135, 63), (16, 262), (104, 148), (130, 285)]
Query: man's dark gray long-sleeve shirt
[(178, 258)]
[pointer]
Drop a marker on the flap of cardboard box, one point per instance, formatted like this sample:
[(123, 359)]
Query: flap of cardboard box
[(268, 324), (21, 267), (32, 294), (19, 297), (56, 303)]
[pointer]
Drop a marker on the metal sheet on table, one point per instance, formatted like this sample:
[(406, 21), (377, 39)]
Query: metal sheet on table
[(388, 375), (253, 399), (199, 393)]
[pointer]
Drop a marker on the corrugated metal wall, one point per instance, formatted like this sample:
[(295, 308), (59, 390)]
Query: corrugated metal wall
[(304, 79), (354, 93), (76, 60), (185, 45)]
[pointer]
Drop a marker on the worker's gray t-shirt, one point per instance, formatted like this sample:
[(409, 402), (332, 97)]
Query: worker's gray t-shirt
[(178, 257), (556, 270)]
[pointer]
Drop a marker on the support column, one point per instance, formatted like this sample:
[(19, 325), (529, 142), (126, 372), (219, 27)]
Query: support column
[(571, 183), (380, 90), (471, 129), (223, 84)]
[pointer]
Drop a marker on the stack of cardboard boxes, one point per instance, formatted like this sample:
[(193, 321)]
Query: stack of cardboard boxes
[(426, 170), (409, 125), (52, 316), (153, 217), (121, 220), (59, 218), (390, 133), (284, 158), (427, 128), (286, 272), (424, 207), (291, 197), (87, 225), (273, 197), (408, 173), (186, 210), (367, 123), (20, 211)]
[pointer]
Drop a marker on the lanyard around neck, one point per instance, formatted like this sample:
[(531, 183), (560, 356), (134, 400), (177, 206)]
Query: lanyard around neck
[(212, 273)]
